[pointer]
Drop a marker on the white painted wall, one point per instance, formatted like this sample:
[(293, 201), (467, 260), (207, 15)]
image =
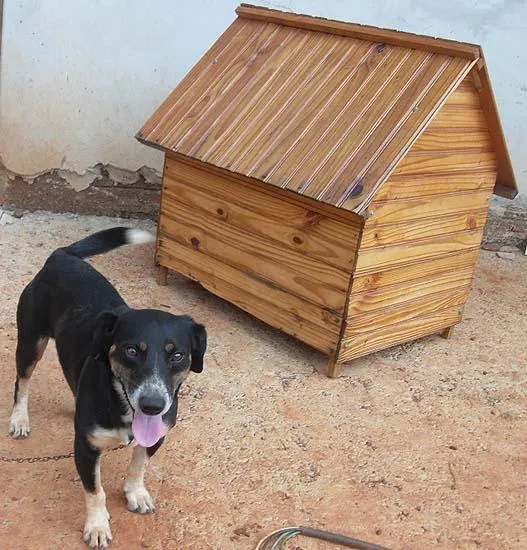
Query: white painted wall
[(78, 79)]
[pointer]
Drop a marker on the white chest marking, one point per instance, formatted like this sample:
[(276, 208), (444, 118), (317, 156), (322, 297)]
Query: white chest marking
[(102, 438)]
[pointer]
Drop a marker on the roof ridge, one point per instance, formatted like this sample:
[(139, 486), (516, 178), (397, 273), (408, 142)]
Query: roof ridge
[(363, 32)]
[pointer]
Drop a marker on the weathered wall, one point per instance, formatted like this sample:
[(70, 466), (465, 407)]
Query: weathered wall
[(78, 79)]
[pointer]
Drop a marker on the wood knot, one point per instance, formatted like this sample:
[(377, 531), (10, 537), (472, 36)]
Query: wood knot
[(472, 223), (380, 48), (311, 218), (195, 242), (357, 188), (298, 240)]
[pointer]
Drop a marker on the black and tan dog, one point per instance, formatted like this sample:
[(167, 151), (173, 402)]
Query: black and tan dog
[(124, 366)]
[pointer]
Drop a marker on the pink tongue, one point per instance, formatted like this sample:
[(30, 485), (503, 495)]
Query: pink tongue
[(147, 429)]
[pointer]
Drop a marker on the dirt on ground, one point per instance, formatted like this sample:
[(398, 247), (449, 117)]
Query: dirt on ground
[(419, 446)]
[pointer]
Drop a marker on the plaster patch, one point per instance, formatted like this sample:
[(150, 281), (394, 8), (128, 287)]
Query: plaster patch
[(77, 181)]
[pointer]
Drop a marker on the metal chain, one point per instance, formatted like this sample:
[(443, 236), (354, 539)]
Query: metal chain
[(33, 459)]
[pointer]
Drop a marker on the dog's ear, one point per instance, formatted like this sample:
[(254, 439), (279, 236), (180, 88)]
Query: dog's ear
[(105, 326), (198, 347)]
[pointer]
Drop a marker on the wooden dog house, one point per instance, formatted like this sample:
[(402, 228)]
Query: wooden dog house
[(331, 179)]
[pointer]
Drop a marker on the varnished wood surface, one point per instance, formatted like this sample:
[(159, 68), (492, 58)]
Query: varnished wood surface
[(417, 271), (424, 185), (384, 298), (363, 32), (252, 297), (320, 114), (421, 208), (405, 331), (422, 228), (249, 210), (406, 310)]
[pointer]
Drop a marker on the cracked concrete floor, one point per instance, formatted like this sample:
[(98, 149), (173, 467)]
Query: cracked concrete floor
[(420, 446)]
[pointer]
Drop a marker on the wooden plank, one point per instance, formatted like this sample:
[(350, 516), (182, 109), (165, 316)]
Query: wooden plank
[(406, 331), (297, 83), (210, 275), (464, 95), (348, 102), (378, 259), (420, 270), (268, 216), (300, 309), (425, 185), (402, 135), (333, 366), (305, 277), (446, 163), (239, 70), (459, 117), (238, 38), (385, 235), (393, 211), (384, 317), (220, 48), (162, 276), (394, 135), (363, 32), (466, 84), (302, 132), (286, 196), (506, 177), (437, 141), (447, 333), (363, 124), (387, 297)]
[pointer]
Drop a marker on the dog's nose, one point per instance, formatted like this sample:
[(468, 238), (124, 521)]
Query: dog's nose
[(151, 404)]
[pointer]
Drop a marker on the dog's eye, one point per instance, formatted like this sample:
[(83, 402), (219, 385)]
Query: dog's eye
[(131, 352), (176, 357)]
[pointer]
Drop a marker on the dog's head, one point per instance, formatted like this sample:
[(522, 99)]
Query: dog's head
[(150, 353)]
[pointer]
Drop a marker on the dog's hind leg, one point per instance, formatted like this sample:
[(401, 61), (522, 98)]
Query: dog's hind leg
[(137, 495), (30, 348)]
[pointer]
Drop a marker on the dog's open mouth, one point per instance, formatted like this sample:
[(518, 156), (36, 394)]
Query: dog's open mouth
[(147, 429)]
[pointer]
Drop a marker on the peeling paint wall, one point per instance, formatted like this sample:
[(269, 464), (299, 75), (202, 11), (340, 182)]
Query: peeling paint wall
[(78, 79)]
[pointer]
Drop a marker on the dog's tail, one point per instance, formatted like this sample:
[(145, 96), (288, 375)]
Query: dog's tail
[(104, 241)]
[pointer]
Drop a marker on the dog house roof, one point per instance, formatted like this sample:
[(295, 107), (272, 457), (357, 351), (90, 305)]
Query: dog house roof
[(318, 107)]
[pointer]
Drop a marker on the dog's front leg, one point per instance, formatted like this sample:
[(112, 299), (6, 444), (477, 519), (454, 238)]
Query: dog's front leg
[(139, 499), (97, 532)]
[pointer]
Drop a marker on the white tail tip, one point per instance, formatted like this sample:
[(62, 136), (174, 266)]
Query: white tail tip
[(138, 236)]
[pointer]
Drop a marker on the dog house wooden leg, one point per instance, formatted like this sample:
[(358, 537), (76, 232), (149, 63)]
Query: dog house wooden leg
[(162, 276), (333, 367), (447, 333)]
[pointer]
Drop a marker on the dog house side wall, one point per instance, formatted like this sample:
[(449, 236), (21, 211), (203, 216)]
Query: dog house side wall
[(280, 259), (420, 244)]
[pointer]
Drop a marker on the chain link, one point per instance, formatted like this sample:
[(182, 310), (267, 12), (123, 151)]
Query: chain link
[(33, 459)]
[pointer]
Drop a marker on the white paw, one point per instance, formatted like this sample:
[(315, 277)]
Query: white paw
[(97, 532), (139, 499), (19, 427)]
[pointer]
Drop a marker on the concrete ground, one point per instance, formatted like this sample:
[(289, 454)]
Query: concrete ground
[(419, 446)]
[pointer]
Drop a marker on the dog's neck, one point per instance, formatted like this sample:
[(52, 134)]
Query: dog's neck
[(127, 411)]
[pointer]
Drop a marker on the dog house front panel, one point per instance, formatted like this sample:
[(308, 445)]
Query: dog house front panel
[(272, 256)]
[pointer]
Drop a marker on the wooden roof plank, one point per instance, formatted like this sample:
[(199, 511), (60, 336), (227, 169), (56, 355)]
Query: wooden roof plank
[(249, 140), (336, 123), (309, 105), (236, 67), (152, 130), (362, 32), (506, 185)]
